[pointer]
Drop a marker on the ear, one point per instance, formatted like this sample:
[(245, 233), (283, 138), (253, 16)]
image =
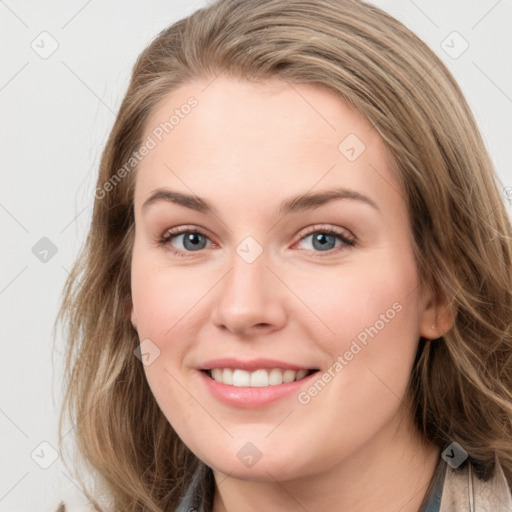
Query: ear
[(437, 316)]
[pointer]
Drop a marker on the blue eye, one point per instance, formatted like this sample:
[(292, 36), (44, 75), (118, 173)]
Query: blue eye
[(192, 240), (323, 240)]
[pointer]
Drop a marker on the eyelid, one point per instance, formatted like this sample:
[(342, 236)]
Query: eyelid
[(348, 240), (327, 228)]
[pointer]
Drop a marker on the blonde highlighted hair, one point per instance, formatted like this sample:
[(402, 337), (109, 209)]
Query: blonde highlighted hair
[(461, 383)]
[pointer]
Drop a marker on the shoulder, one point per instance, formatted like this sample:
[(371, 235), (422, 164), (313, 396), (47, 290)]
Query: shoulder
[(462, 487)]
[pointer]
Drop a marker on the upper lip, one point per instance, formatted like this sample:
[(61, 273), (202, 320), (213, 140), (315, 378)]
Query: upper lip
[(252, 364)]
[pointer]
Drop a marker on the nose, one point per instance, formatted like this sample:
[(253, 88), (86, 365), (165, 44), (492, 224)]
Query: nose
[(251, 299)]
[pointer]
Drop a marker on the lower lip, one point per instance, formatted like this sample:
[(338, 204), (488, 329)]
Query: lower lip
[(249, 397)]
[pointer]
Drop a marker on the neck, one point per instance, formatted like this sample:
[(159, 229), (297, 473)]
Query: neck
[(392, 472)]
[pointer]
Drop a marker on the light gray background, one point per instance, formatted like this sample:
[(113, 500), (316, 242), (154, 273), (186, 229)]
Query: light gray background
[(56, 115)]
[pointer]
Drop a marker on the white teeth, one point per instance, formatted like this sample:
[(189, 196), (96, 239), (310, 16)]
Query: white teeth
[(275, 377), (288, 376), (241, 378), (227, 376), (257, 379), (217, 374)]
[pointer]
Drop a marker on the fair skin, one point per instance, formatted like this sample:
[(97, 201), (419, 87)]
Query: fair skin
[(245, 149)]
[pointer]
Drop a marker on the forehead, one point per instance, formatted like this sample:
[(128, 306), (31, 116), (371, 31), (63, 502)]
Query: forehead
[(212, 136), (229, 103)]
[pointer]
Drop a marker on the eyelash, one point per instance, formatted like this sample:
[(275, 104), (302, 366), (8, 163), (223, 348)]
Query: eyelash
[(169, 235)]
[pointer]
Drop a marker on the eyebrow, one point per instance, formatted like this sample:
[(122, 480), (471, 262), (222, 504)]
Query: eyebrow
[(308, 201)]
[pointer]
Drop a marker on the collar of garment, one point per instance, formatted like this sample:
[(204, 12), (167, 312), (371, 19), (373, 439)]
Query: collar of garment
[(456, 490)]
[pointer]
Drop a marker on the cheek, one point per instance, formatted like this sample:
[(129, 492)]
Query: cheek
[(163, 298), (163, 302), (374, 316), (373, 329), (364, 302), (158, 305)]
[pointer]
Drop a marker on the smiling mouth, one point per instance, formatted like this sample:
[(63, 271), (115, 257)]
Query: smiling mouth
[(257, 379)]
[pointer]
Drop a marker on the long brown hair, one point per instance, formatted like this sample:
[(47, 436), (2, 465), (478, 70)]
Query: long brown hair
[(461, 383)]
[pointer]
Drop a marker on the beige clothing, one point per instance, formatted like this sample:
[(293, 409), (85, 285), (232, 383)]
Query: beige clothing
[(463, 491)]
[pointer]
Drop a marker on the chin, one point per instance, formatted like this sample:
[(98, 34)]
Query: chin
[(246, 463)]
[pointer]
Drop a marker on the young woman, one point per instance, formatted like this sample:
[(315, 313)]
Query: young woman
[(296, 292)]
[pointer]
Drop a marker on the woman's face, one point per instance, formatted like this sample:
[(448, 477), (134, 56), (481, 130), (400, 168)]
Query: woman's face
[(297, 257)]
